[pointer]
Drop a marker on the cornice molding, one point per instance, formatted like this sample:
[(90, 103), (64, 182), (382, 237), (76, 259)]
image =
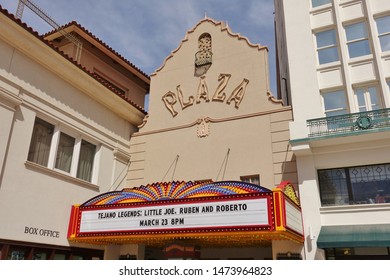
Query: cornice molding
[(211, 120)]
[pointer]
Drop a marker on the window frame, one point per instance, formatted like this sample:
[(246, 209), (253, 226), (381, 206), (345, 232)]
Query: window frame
[(330, 112), (368, 104), (358, 40), (320, 4), (249, 179), (333, 45), (384, 34), (54, 145), (350, 176)]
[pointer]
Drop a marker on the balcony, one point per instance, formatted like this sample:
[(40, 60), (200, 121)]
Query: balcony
[(350, 124)]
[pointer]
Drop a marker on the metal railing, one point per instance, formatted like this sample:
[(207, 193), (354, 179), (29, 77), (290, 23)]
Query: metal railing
[(349, 123)]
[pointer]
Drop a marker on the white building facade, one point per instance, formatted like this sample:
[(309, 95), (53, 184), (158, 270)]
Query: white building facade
[(334, 69), (64, 136)]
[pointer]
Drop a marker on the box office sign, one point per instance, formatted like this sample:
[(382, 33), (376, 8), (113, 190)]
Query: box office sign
[(251, 212)]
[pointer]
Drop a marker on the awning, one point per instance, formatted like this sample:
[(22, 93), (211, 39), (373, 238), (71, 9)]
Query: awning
[(377, 235)]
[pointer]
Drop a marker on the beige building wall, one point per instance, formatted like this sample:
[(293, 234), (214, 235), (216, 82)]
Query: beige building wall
[(202, 138), (215, 122)]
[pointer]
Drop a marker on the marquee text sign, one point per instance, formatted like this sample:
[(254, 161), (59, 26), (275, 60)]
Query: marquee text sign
[(238, 212), (203, 94)]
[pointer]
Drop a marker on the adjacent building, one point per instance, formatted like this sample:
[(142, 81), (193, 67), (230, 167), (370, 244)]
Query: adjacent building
[(67, 112), (334, 70)]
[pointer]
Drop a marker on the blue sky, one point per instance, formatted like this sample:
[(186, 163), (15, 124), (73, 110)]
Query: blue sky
[(146, 31)]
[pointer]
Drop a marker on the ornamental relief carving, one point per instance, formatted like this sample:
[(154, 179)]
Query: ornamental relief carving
[(174, 101), (203, 129)]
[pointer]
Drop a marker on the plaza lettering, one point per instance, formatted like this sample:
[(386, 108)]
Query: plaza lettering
[(203, 94), (41, 232)]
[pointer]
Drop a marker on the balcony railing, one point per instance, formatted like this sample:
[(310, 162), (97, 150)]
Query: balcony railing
[(349, 123)]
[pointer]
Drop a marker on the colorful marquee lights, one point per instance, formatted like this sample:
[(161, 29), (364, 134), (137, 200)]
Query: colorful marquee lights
[(216, 211)]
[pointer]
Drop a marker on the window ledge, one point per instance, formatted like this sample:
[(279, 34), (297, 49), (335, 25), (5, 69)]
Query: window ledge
[(355, 208), (386, 55), (59, 175), (321, 8), (329, 66), (360, 59)]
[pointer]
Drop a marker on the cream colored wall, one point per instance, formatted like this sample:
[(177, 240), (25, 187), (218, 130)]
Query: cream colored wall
[(31, 195), (253, 137)]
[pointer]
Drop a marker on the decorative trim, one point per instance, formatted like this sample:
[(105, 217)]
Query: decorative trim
[(175, 190), (9, 99), (223, 26), (62, 176), (208, 119), (289, 190), (203, 127), (144, 121), (273, 99), (121, 156)]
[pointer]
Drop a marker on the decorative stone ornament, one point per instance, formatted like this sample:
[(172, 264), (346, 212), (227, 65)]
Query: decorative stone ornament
[(203, 127)]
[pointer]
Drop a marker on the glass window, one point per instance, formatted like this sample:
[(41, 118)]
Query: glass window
[(17, 253), (327, 46), (367, 99), (357, 40), (40, 142), (355, 185), (333, 187), (383, 25), (68, 152), (316, 3), (253, 179), (86, 159), (335, 103), (65, 152)]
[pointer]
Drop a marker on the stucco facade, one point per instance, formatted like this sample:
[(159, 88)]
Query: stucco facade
[(335, 62), (214, 121), (39, 84)]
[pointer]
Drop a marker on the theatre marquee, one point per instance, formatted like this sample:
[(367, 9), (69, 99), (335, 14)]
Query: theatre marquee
[(187, 210)]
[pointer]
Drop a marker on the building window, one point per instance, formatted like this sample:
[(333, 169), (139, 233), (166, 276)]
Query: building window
[(327, 46), (86, 159), (72, 155), (383, 25), (367, 99), (253, 179), (335, 103), (40, 142), (317, 3), (65, 152), (355, 185), (357, 40)]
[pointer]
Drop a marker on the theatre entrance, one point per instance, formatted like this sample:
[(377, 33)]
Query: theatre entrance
[(183, 251)]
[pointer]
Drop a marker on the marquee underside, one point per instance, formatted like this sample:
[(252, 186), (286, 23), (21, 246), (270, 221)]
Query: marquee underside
[(234, 239)]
